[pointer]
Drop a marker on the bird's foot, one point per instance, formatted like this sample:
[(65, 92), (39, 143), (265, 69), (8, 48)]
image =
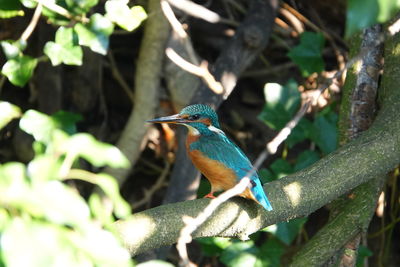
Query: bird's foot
[(210, 195)]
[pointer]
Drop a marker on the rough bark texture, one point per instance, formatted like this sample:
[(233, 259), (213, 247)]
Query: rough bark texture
[(147, 81), (350, 215)]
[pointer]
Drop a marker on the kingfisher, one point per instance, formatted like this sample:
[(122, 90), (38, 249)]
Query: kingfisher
[(220, 160)]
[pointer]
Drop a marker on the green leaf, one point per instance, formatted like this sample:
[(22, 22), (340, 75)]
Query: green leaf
[(99, 212), (55, 18), (44, 168), (281, 168), (79, 7), (213, 246), (28, 3), (300, 133), (39, 125), (19, 69), (110, 187), (308, 54), (13, 183), (324, 133), (266, 176), (281, 103), (271, 252), (305, 159), (387, 9), (65, 49), (8, 113), (363, 252), (103, 248), (10, 8), (240, 254), (52, 196), (43, 245), (286, 231), (364, 13), (66, 121), (360, 14), (10, 49), (96, 34), (96, 152), (127, 18)]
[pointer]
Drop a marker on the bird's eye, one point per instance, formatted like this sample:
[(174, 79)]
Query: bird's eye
[(194, 117)]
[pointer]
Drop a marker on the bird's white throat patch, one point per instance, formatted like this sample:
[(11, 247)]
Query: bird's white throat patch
[(215, 130)]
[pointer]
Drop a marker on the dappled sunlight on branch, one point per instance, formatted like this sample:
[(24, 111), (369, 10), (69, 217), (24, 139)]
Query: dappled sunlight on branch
[(293, 192)]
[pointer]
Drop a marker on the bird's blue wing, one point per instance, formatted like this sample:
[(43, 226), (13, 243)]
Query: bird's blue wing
[(219, 147)]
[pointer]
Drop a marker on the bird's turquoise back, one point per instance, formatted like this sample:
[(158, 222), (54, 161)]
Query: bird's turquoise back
[(218, 147)]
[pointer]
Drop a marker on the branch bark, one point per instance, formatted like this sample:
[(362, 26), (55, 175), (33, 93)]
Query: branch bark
[(147, 81), (372, 154)]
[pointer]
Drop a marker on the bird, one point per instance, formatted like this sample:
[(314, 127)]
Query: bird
[(219, 159)]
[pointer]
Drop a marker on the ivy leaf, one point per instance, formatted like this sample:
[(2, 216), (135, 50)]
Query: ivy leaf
[(240, 254), (38, 124), (96, 152), (64, 49), (299, 133), (305, 159), (96, 34), (281, 168), (8, 112), (281, 103), (127, 18), (271, 252), (46, 245), (308, 54), (19, 69), (79, 6), (324, 132)]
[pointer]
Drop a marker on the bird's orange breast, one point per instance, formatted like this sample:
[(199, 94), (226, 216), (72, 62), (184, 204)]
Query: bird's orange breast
[(220, 176)]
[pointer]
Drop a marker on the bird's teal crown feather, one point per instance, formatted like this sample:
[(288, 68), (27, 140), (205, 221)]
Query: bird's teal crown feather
[(197, 112)]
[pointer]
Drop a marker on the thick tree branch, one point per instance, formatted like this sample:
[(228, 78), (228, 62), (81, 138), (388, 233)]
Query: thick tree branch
[(372, 154)]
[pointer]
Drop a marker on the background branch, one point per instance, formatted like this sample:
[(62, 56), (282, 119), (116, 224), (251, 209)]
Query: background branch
[(147, 82)]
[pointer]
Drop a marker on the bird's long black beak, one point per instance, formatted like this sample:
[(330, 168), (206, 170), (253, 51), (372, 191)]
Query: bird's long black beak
[(169, 119)]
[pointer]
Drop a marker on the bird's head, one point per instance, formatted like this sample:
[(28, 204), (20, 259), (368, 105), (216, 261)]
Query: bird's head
[(200, 119)]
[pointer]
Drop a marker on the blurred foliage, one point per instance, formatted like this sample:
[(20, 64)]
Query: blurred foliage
[(364, 13), (46, 218), (308, 54)]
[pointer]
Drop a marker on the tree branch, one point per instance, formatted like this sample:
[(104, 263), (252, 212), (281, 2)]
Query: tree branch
[(147, 80), (372, 154)]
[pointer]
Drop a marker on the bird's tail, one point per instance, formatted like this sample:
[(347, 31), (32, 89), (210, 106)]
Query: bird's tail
[(259, 194)]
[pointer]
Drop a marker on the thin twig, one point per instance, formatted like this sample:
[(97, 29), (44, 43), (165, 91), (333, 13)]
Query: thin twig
[(179, 30), (32, 25), (148, 194), (118, 77), (201, 71), (191, 224), (196, 10)]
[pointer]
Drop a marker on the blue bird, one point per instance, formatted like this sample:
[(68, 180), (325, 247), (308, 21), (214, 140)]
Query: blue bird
[(220, 160)]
